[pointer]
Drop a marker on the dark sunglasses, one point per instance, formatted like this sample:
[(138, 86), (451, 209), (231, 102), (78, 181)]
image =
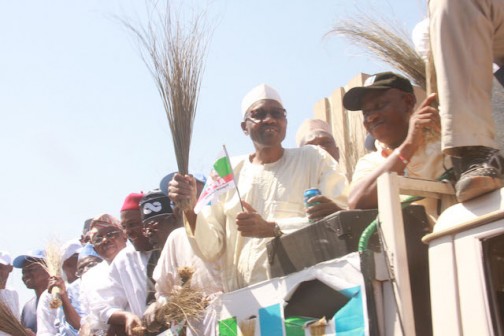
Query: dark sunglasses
[(260, 114)]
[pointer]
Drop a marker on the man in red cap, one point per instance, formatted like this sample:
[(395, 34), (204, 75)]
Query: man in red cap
[(130, 288), (131, 222)]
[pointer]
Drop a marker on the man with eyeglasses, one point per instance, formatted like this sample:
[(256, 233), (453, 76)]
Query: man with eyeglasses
[(108, 239), (271, 183), (130, 287)]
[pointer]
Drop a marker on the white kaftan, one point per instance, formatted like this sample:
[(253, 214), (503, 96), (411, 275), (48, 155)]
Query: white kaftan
[(275, 191)]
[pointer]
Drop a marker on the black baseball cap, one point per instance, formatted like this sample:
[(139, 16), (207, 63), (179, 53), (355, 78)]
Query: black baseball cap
[(352, 100), (155, 204)]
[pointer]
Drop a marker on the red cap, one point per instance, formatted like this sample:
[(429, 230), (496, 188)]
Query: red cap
[(132, 202)]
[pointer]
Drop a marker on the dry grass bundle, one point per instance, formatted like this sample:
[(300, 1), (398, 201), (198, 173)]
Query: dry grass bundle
[(9, 323), (186, 303), (390, 44), (174, 54), (53, 264)]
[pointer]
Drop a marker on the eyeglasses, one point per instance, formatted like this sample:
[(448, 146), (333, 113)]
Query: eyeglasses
[(98, 240), (260, 114)]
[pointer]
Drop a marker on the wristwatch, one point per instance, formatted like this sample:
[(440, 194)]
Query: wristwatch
[(277, 232)]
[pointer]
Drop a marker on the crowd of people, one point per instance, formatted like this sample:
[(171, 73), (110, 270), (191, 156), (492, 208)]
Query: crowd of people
[(121, 273)]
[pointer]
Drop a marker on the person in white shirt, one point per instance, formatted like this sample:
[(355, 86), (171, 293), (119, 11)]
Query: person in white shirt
[(35, 277), (63, 320), (108, 240), (271, 182), (130, 287), (8, 296), (178, 253)]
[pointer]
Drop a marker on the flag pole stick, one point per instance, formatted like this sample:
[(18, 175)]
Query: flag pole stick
[(232, 174)]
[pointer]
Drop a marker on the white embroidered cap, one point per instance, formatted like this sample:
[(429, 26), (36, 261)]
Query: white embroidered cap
[(260, 92), (5, 258)]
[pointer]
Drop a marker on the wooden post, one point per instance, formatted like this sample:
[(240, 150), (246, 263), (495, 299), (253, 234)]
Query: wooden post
[(391, 220)]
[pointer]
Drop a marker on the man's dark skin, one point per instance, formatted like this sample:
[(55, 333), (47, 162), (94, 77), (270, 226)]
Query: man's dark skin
[(389, 117), (267, 136), (131, 222), (157, 231), (35, 276)]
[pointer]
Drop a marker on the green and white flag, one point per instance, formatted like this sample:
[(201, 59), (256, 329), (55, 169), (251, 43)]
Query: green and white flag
[(221, 179)]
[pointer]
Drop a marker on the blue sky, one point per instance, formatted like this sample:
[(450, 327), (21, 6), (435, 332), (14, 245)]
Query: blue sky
[(82, 124)]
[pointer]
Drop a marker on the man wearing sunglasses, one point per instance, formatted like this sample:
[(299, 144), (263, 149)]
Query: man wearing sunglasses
[(130, 287), (271, 182), (108, 239)]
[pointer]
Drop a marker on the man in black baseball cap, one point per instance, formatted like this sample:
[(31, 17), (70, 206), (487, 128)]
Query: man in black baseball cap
[(407, 139), (380, 82), (158, 217)]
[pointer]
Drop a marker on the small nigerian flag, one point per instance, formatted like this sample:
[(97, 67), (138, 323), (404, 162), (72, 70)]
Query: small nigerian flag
[(221, 180)]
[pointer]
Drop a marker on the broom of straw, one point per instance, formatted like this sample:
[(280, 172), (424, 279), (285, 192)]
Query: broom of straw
[(186, 303), (390, 45), (387, 43), (53, 263), (174, 53), (8, 322)]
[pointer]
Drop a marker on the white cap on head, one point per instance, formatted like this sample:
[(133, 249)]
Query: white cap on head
[(260, 92), (310, 126), (70, 248), (5, 258)]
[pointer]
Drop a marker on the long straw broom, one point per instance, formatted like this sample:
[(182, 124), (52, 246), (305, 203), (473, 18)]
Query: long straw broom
[(9, 324), (174, 53), (388, 43)]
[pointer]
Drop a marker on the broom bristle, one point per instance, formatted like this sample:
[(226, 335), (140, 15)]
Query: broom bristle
[(53, 264), (174, 54), (187, 303), (387, 43), (8, 322)]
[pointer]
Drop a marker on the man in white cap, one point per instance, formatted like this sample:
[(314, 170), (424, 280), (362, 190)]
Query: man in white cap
[(7, 295), (317, 132), (64, 320), (271, 183)]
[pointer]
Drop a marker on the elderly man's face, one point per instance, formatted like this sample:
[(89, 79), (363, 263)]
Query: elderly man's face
[(131, 222), (325, 141), (386, 115), (108, 241), (34, 275), (266, 123), (158, 229)]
